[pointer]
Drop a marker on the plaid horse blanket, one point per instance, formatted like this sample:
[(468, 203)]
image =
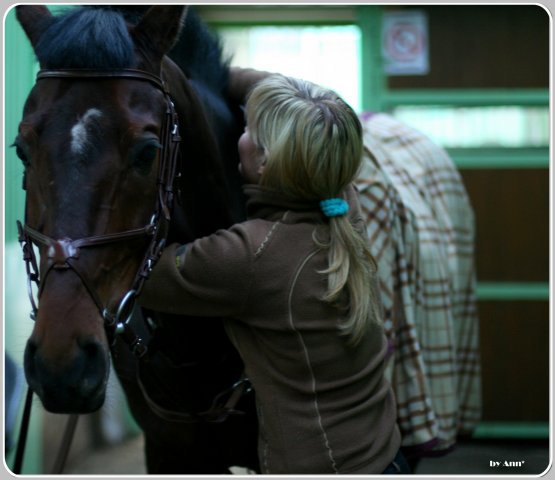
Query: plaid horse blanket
[(421, 230)]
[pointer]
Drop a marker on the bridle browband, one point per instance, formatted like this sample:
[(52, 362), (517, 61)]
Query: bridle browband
[(64, 253)]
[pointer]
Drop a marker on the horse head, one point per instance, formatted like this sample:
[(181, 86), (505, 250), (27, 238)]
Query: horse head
[(91, 143)]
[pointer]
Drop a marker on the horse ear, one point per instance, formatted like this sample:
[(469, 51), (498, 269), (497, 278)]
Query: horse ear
[(34, 19), (160, 27)]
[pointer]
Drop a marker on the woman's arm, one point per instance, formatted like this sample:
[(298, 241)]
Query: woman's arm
[(208, 277), (241, 82)]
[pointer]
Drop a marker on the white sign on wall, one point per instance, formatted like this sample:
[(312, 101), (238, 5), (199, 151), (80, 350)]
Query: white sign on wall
[(405, 43)]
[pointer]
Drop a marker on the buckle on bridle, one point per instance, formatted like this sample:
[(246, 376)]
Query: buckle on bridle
[(119, 325), (121, 311), (60, 250), (225, 402)]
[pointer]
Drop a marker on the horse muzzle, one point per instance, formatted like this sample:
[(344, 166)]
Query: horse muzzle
[(77, 387)]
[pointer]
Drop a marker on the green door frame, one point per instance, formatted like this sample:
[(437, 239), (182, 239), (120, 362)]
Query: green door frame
[(19, 76)]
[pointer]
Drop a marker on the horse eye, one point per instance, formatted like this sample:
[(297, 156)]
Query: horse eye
[(144, 154)]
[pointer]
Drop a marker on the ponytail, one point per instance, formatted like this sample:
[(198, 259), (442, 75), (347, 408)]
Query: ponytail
[(351, 276), (312, 143)]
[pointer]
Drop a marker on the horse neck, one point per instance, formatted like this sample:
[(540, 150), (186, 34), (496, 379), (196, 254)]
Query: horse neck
[(210, 192)]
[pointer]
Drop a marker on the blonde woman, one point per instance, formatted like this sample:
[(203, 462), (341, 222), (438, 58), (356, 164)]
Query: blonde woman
[(293, 282)]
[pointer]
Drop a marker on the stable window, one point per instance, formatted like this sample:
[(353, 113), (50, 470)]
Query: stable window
[(327, 55), (481, 126)]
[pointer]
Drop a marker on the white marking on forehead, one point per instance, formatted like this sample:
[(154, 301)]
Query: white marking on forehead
[(79, 131)]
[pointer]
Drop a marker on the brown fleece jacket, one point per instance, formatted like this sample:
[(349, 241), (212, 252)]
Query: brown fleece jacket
[(323, 407)]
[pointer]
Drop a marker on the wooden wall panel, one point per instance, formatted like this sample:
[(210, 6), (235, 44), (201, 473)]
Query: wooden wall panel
[(484, 46), (512, 223), (515, 360)]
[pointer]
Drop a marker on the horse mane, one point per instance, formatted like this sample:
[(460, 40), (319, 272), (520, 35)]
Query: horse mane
[(199, 53), (97, 37)]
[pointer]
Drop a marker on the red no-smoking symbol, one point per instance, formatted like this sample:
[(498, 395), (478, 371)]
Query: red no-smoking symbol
[(404, 42)]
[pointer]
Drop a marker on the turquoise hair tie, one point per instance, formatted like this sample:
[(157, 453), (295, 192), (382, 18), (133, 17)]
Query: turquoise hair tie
[(334, 207)]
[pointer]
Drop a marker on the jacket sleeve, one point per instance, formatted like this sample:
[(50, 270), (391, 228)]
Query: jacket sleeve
[(210, 278), (242, 81)]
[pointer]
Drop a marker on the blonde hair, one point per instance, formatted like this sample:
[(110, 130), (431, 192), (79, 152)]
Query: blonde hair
[(312, 144)]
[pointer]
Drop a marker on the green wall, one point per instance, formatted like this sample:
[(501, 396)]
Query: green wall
[(20, 69), (19, 73)]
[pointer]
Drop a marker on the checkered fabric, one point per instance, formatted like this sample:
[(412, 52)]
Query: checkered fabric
[(421, 230)]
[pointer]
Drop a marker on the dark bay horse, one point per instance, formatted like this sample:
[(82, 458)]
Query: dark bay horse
[(96, 132)]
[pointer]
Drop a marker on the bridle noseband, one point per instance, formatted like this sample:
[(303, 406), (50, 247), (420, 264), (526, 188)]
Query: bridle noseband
[(63, 253)]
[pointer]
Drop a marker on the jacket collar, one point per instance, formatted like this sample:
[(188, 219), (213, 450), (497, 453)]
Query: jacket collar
[(271, 204)]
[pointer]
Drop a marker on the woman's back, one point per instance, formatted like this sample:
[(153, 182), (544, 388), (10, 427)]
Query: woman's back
[(316, 393)]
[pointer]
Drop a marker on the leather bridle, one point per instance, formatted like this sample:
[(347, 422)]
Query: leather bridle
[(64, 253)]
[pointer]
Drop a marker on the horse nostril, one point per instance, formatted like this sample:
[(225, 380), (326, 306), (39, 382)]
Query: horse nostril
[(31, 349), (94, 371), (91, 350), (29, 363)]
